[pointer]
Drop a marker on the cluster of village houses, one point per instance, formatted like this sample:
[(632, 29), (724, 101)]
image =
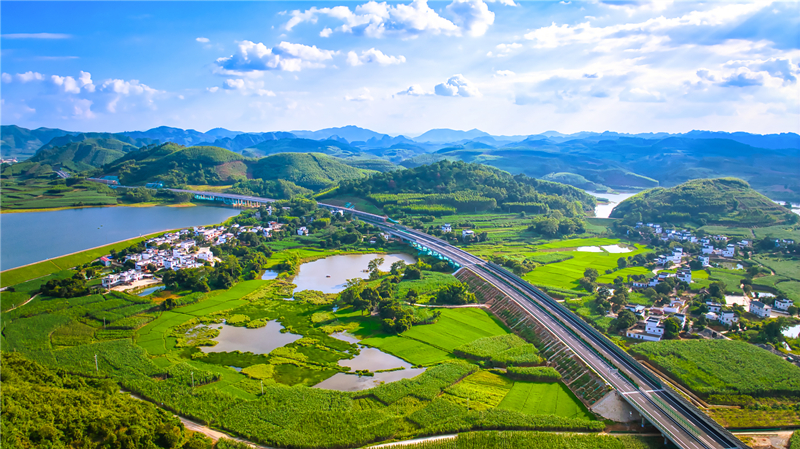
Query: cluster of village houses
[(652, 326), (464, 232), (183, 251)]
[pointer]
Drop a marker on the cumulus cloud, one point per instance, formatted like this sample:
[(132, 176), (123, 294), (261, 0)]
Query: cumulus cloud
[(781, 68), (66, 84), (203, 40), (415, 90), (326, 32), (457, 85), (473, 16), (85, 81), (212, 89), (378, 20), (286, 56), (743, 78), (373, 56), (29, 76)]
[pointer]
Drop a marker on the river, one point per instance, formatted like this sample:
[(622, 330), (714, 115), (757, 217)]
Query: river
[(604, 210), (29, 237)]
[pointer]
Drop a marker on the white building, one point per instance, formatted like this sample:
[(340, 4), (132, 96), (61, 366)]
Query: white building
[(302, 230), (675, 306), (713, 306), (653, 330), (729, 251), (653, 326), (447, 228), (760, 309), (708, 249), (685, 275), (681, 319), (467, 232), (728, 317), (705, 260), (783, 304)]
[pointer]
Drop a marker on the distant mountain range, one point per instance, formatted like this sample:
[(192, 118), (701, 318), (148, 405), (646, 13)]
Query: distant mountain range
[(599, 161)]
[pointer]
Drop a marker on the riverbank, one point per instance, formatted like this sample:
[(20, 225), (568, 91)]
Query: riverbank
[(53, 209), (36, 270)]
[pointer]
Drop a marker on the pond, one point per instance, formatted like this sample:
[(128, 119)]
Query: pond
[(330, 275), (604, 210), (30, 237), (151, 290), (371, 359), (589, 249), (261, 340), (269, 275), (614, 249), (792, 332)]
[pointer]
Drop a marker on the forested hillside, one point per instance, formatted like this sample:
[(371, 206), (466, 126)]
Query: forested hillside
[(458, 186), (84, 154), (22, 142), (722, 201), (310, 170)]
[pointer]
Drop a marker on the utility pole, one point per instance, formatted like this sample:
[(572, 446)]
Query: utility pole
[(192, 380), (262, 388), (96, 368)]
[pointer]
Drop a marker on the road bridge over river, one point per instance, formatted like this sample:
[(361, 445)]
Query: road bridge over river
[(676, 418)]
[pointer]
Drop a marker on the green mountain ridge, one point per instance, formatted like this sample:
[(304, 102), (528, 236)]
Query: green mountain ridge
[(84, 155), (728, 201)]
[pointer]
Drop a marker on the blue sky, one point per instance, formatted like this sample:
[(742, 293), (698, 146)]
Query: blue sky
[(505, 67)]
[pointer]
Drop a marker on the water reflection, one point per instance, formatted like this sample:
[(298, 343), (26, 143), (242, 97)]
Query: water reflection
[(261, 340), (352, 382), (151, 290), (604, 210), (330, 275)]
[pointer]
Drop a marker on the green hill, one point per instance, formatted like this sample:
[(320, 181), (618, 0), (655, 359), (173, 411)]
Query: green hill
[(84, 155), (22, 142), (721, 201), (176, 165), (448, 187), (310, 170), (329, 147), (575, 181)]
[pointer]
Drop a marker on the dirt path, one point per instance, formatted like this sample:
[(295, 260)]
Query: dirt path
[(20, 305), (215, 434)]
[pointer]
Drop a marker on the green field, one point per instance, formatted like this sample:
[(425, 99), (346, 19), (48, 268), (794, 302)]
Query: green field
[(724, 367), (536, 398), (435, 342), (566, 274)]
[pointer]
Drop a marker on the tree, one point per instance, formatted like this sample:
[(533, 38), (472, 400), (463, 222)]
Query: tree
[(622, 262), (412, 296), (792, 310), (625, 319), (603, 293), (672, 328), (591, 274), (398, 267), (375, 264), (772, 331), (455, 294), (717, 289), (412, 272), (587, 284)]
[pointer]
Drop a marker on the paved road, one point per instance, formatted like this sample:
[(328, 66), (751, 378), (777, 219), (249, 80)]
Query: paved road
[(679, 421), (659, 407)]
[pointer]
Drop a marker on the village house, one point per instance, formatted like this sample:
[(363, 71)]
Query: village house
[(729, 251), (713, 306), (685, 275), (675, 306), (728, 317), (447, 228), (106, 260), (653, 330), (783, 304), (705, 260), (637, 309), (760, 309), (467, 232), (681, 319), (302, 230)]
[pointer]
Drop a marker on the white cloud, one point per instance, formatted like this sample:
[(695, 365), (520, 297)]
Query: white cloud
[(457, 85), (373, 56), (286, 56), (326, 32), (203, 40), (471, 15), (781, 68), (247, 87), (377, 20), (363, 96), (7, 78), (66, 84), (29, 76), (212, 89), (36, 36), (503, 2), (85, 80), (638, 94), (118, 89), (647, 35), (415, 90)]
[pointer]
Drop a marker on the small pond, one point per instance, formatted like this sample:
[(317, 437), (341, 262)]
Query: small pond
[(258, 341), (269, 275), (371, 359), (330, 275), (590, 249), (792, 332), (151, 290), (616, 249)]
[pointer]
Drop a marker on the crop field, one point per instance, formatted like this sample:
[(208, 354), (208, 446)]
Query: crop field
[(480, 391), (724, 367), (501, 350), (782, 266), (575, 243), (567, 273), (537, 398), (433, 343), (538, 440)]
